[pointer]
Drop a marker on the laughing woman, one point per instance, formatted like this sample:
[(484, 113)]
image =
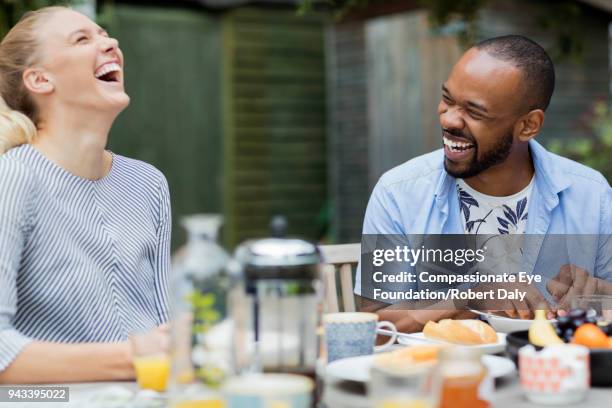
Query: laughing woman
[(84, 233)]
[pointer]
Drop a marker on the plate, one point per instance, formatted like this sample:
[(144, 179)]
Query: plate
[(503, 324), (419, 338), (358, 368), (507, 324)]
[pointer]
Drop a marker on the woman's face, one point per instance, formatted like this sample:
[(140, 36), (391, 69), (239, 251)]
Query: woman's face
[(82, 63)]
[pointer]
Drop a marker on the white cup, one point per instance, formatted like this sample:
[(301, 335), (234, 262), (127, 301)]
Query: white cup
[(559, 374)]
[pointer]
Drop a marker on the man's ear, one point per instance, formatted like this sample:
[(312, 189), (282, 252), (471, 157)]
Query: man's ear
[(37, 82), (529, 125)]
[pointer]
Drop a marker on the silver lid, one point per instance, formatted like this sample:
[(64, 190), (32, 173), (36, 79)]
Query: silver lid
[(278, 252)]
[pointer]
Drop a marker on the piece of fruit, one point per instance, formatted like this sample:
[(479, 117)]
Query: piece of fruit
[(541, 332), (567, 336), (610, 342), (591, 336), (577, 313), (563, 321)]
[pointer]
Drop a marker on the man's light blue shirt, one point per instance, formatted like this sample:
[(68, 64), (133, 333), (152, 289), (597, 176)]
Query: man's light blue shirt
[(420, 197)]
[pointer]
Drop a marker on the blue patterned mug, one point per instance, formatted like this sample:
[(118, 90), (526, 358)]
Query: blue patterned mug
[(353, 334)]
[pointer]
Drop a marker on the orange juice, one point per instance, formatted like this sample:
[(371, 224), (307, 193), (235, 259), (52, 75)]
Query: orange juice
[(404, 403), (213, 403), (152, 371)]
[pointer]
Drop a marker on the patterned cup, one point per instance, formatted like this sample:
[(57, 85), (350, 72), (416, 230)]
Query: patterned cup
[(559, 374), (354, 334)]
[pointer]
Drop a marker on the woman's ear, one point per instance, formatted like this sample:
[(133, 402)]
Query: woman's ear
[(530, 124), (37, 81)]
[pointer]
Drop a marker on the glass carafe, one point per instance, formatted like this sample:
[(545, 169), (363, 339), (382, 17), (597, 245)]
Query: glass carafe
[(200, 281)]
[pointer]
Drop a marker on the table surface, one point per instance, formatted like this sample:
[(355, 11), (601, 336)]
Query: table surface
[(345, 394), (336, 394)]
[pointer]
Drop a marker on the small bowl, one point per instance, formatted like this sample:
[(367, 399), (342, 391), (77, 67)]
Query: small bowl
[(600, 359)]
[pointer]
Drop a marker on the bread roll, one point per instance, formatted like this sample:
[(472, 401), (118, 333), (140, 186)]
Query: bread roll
[(467, 332)]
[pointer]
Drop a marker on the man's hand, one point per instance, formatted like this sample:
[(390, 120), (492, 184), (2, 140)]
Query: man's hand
[(572, 281), (513, 308)]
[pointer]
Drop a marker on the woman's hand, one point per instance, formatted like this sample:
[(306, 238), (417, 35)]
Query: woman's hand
[(156, 341)]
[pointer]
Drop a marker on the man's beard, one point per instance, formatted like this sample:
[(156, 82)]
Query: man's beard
[(498, 154)]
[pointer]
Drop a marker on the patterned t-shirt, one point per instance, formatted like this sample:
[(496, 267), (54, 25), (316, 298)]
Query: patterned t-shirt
[(485, 214)]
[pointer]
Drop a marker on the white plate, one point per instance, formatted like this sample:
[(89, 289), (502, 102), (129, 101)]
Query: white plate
[(414, 339), (508, 325), (503, 324), (358, 368)]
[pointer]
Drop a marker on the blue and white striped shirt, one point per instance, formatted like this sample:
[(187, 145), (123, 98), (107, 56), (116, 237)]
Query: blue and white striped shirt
[(80, 260)]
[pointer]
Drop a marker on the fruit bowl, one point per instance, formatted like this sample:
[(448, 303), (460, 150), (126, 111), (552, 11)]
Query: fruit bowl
[(601, 359)]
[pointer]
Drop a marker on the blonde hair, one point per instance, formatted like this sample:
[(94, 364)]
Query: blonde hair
[(18, 112)]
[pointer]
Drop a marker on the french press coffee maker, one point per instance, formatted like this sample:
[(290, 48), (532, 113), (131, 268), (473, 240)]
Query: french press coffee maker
[(276, 308)]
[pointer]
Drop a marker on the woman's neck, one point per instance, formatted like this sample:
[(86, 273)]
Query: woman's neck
[(77, 145)]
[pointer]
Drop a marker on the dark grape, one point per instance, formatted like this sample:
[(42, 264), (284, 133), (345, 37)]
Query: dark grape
[(567, 336), (563, 321), (576, 323), (577, 313), (559, 331)]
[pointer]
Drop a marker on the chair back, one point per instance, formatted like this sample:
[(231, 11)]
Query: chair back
[(339, 261)]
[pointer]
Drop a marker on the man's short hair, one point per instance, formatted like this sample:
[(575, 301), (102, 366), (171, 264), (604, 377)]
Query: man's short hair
[(528, 56)]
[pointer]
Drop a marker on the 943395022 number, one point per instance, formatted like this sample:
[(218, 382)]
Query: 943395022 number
[(34, 394)]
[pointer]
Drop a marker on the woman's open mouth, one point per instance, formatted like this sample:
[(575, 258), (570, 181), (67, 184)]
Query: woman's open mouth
[(108, 72)]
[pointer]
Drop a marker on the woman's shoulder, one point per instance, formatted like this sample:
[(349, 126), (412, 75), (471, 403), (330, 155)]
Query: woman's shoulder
[(19, 187), (135, 165), (16, 170), (134, 169)]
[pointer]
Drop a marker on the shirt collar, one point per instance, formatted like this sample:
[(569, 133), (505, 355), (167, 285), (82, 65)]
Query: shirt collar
[(550, 177)]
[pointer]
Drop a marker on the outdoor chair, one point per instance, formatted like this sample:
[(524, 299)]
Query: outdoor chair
[(339, 260)]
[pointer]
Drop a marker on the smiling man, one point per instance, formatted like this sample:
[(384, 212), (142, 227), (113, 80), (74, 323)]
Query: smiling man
[(493, 178)]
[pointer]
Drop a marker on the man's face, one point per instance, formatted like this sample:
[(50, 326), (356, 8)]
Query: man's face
[(479, 107)]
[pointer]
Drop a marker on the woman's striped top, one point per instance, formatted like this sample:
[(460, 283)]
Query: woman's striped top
[(80, 260)]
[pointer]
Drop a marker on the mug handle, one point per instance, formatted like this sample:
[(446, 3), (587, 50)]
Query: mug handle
[(392, 328)]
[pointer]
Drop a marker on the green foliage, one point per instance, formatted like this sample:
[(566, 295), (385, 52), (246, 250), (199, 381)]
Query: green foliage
[(564, 19), (596, 150), (339, 8), (444, 12), (12, 10), (204, 310), (211, 376)]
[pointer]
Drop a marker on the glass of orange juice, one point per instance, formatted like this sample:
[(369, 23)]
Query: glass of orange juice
[(151, 361)]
